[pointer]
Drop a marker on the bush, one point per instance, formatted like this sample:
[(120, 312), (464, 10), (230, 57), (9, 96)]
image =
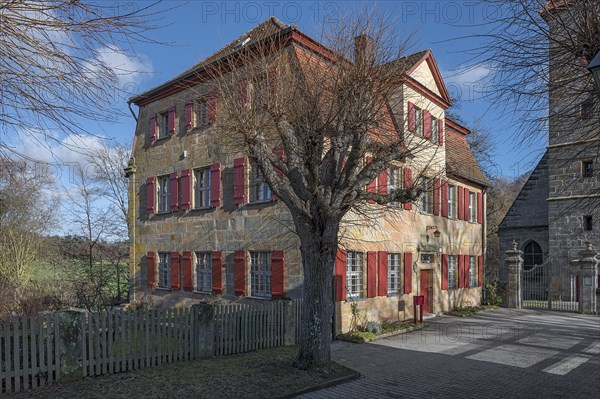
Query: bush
[(372, 327), (363, 336), (493, 296)]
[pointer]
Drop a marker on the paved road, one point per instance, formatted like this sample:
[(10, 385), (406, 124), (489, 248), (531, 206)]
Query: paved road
[(496, 354)]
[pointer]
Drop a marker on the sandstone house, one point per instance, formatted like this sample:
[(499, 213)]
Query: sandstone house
[(205, 226)]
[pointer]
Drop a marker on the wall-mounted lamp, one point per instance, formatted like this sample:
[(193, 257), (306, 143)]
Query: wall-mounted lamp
[(436, 233)]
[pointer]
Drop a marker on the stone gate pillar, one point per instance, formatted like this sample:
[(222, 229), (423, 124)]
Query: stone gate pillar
[(514, 268), (587, 270)]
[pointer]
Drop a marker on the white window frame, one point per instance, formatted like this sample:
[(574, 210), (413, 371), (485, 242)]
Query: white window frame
[(395, 182), (163, 194), (434, 130), (202, 188), (426, 201), (395, 274), (472, 271), (452, 202), (473, 207), (259, 188), (164, 270), (418, 121), (163, 124), (260, 274), (201, 112), (452, 263), (204, 272), (354, 274)]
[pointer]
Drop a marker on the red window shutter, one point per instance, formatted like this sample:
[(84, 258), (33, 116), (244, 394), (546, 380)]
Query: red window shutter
[(411, 117), (467, 198), (408, 268), (278, 152), (371, 274), (480, 270), (212, 107), (244, 94), (152, 128), (408, 183), (217, 272), (277, 274), (427, 124), (382, 273), (175, 273), (186, 188), (239, 181), (479, 208), (189, 108), (174, 192), (461, 272), (444, 271), (461, 206), (445, 198), (151, 269), (340, 273), (382, 182), (441, 131), (239, 271), (150, 192), (188, 273), (215, 185), (466, 271), (436, 196), (172, 120)]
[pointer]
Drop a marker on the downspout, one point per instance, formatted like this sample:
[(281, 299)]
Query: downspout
[(484, 240)]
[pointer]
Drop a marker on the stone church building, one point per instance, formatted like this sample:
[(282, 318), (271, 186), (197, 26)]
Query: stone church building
[(558, 209), (205, 227)]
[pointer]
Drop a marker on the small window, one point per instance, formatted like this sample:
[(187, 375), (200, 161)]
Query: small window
[(452, 202), (418, 121), (395, 275), (427, 196), (587, 168), (203, 272), (163, 124), (260, 274), (473, 271), (473, 207), (259, 189), (202, 188), (163, 194), (201, 112), (394, 182), (164, 270), (452, 272), (434, 130), (354, 274), (532, 255), (588, 223), (427, 258)]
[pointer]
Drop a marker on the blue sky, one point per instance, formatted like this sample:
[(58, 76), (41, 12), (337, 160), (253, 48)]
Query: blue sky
[(193, 30)]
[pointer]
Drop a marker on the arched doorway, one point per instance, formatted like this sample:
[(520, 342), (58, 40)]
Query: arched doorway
[(534, 284), (532, 255)]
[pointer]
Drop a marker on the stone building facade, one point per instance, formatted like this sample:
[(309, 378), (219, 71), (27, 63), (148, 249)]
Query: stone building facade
[(559, 207), (205, 229)]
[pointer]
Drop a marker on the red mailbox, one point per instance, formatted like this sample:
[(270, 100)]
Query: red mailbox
[(418, 302)]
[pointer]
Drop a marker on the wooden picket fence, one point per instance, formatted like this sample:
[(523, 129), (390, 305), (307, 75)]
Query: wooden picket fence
[(29, 352), (120, 341), (115, 342)]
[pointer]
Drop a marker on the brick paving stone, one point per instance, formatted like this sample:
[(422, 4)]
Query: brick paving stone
[(503, 353)]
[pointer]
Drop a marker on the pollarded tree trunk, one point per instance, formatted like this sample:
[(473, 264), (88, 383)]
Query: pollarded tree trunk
[(318, 249)]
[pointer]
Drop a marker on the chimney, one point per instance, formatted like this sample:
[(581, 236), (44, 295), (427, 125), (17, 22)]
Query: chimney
[(364, 49)]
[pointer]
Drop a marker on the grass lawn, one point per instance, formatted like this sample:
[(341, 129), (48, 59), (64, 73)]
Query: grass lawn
[(267, 373)]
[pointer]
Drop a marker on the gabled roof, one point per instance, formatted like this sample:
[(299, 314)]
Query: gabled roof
[(427, 56), (460, 161)]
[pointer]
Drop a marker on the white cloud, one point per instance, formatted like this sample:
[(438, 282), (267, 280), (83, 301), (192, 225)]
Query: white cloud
[(468, 75), (127, 69)]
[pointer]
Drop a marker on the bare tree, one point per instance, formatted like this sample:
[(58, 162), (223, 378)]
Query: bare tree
[(319, 128), (54, 67)]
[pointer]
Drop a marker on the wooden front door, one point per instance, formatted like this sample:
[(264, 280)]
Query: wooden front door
[(425, 290)]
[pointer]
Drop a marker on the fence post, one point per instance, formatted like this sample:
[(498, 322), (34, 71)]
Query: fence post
[(289, 323), (514, 265), (70, 343), (204, 330)]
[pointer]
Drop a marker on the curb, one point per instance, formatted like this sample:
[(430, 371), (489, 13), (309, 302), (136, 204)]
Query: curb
[(390, 334), (327, 384)]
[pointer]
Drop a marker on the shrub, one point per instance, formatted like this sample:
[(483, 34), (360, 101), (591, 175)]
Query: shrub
[(372, 327)]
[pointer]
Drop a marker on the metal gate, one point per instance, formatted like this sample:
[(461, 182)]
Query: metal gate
[(544, 287)]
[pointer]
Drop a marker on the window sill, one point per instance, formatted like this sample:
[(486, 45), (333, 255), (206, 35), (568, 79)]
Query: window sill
[(161, 139), (263, 298), (259, 202), (203, 292)]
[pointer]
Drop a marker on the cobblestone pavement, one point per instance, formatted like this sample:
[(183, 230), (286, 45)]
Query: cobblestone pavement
[(501, 353)]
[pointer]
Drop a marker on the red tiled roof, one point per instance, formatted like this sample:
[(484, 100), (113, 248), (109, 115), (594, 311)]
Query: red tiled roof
[(460, 161)]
